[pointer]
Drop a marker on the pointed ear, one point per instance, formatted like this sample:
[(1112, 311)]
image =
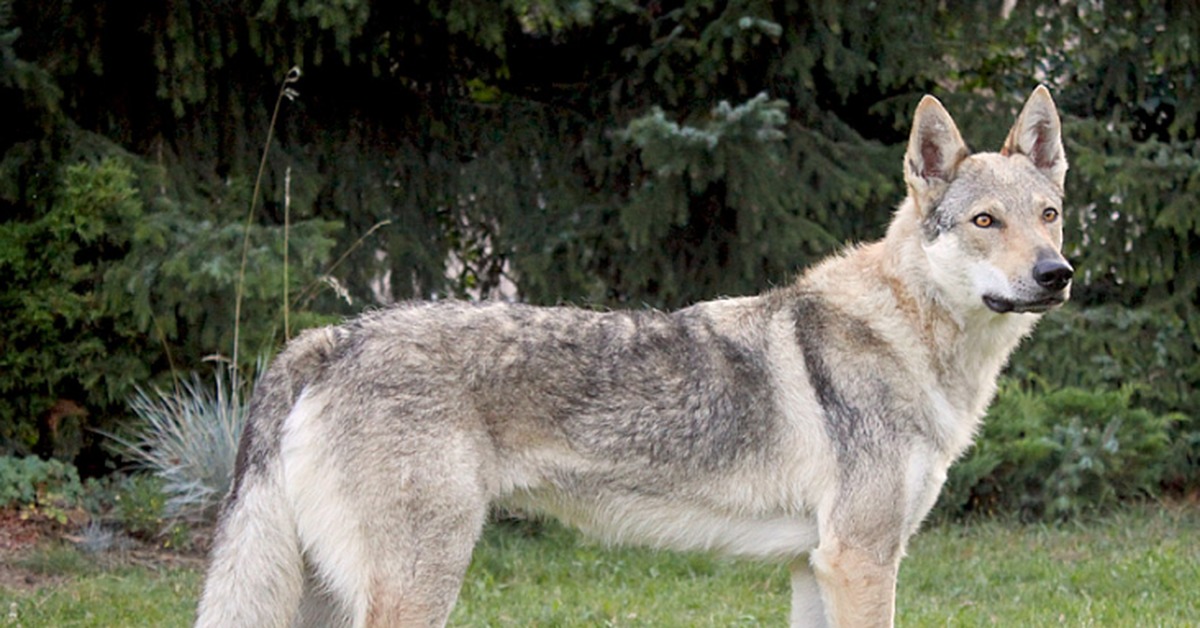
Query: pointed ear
[(935, 148), (1037, 134)]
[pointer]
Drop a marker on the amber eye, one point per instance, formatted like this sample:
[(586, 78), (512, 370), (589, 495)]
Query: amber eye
[(983, 221), (1049, 214)]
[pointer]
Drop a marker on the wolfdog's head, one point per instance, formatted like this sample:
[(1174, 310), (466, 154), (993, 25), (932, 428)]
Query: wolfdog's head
[(992, 222)]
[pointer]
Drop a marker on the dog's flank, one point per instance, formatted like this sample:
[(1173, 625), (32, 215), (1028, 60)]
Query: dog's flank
[(812, 424)]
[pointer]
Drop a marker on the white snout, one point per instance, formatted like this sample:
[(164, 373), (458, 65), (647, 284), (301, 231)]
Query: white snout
[(962, 281)]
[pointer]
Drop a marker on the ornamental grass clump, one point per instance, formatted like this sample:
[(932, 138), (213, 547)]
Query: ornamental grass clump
[(188, 437)]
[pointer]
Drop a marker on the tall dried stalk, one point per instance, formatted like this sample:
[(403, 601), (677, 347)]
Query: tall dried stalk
[(287, 210), (285, 91)]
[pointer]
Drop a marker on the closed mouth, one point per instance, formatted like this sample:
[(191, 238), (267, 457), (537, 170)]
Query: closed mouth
[(1001, 305)]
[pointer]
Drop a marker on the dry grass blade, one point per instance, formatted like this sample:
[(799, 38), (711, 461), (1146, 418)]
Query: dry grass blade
[(285, 91)]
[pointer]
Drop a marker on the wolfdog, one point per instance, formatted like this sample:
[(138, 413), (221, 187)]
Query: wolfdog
[(812, 424)]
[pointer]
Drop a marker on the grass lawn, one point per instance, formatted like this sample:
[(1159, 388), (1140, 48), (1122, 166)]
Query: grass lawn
[(1140, 567)]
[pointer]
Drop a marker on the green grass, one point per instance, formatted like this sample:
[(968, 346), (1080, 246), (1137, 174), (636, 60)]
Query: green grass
[(1139, 567), (1135, 568), (553, 578), (77, 589)]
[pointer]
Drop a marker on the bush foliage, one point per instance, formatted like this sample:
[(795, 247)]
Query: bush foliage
[(1057, 453), (615, 153), (39, 488), (115, 292), (1151, 351)]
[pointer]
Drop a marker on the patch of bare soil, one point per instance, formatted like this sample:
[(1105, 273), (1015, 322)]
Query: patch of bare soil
[(22, 535), (16, 578), (19, 534)]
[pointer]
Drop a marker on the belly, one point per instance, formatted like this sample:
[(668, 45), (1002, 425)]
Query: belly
[(661, 523)]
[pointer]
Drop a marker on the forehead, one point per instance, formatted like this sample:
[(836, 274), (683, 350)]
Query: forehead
[(1012, 183)]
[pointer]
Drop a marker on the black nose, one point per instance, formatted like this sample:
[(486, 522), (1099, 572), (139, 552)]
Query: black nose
[(1053, 274)]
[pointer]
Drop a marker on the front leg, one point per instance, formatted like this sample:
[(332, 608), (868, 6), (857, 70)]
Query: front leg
[(807, 609), (858, 585)]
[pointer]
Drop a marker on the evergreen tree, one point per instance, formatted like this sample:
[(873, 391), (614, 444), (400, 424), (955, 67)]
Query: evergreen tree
[(599, 153)]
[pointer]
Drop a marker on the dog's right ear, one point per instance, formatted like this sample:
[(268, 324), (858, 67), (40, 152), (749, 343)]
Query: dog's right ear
[(935, 148)]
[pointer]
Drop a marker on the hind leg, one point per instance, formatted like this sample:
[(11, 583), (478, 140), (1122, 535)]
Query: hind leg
[(418, 559), (393, 542), (319, 607), (386, 519), (389, 497), (400, 560)]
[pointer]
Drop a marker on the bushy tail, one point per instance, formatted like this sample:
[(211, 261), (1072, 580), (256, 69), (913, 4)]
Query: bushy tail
[(256, 569), (255, 572)]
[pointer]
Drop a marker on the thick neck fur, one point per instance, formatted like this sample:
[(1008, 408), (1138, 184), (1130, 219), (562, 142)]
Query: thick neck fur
[(971, 344), (889, 285)]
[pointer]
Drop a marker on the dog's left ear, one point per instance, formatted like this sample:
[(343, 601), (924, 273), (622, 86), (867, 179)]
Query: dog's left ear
[(935, 148), (1037, 134)]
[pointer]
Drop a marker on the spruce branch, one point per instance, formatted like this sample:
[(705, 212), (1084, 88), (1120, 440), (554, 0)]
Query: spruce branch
[(310, 291)]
